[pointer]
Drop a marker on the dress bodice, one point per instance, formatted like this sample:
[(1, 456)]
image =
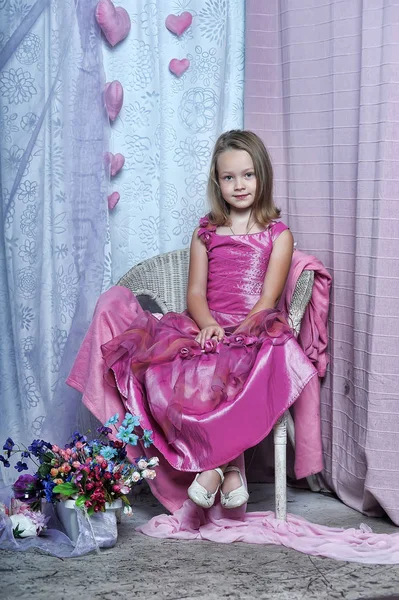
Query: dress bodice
[(237, 266)]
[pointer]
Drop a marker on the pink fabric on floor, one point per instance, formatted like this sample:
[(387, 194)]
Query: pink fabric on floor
[(218, 525)]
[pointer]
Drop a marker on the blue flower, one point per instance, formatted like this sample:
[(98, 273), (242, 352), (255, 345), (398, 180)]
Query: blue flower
[(112, 420), (77, 437), (21, 466), (5, 462), (130, 420), (48, 490), (108, 453), (25, 454), (9, 445), (39, 447), (147, 439), (133, 439), (124, 433)]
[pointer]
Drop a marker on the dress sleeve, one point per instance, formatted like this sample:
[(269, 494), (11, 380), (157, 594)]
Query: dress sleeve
[(276, 228)]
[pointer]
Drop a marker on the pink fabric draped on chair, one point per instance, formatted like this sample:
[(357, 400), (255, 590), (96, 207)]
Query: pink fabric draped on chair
[(321, 90)]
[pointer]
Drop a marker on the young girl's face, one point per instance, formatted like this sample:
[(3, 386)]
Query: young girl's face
[(237, 179)]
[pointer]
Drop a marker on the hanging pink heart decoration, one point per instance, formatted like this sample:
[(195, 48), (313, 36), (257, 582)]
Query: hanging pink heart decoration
[(114, 162), (113, 200), (178, 67), (179, 24), (113, 98), (114, 22)]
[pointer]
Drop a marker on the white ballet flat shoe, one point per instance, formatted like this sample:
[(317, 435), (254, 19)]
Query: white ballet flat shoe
[(236, 497), (200, 495)]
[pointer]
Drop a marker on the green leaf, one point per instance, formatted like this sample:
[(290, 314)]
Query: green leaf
[(66, 489), (44, 469), (80, 501), (48, 457), (17, 532)]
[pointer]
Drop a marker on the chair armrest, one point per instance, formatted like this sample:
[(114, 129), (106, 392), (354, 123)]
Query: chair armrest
[(300, 299)]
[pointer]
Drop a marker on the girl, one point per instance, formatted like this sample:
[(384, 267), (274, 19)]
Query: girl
[(211, 382)]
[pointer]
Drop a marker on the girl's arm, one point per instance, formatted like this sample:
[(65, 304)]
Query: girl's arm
[(196, 293), (277, 273)]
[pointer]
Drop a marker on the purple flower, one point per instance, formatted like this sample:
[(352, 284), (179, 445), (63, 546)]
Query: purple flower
[(21, 466), (5, 462), (104, 430), (25, 481), (185, 353)]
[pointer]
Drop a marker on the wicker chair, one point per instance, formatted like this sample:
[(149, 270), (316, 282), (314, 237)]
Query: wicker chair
[(160, 283)]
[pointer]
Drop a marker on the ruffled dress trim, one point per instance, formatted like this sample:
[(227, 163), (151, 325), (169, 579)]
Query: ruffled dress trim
[(205, 231)]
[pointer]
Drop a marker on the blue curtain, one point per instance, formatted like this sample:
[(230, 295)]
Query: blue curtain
[(57, 249), (53, 207), (168, 125)]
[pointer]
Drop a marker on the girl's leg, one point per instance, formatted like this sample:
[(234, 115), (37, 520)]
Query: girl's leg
[(232, 480), (210, 480)]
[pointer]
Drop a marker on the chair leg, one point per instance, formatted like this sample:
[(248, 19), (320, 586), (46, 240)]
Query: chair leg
[(280, 467)]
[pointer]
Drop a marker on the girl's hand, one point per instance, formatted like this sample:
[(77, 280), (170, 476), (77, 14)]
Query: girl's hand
[(210, 332)]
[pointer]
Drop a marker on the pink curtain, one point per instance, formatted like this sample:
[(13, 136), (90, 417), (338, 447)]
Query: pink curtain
[(322, 90)]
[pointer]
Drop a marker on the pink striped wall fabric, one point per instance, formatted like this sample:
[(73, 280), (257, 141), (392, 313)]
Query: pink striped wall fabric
[(322, 90)]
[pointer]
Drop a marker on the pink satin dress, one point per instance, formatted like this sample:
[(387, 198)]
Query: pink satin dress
[(205, 407)]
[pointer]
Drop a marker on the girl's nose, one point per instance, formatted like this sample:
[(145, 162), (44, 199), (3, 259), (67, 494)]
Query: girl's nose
[(239, 184)]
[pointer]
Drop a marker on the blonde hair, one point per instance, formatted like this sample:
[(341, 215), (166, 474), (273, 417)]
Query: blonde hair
[(263, 208)]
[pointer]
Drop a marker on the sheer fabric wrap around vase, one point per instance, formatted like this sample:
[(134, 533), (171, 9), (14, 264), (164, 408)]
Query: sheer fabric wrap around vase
[(101, 526)]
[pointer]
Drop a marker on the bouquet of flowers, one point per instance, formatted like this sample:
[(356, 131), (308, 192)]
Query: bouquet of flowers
[(92, 472)]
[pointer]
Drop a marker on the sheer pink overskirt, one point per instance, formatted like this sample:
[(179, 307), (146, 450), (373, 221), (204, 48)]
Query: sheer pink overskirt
[(206, 406)]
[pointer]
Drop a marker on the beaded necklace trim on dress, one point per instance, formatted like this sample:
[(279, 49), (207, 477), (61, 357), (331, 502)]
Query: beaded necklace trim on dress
[(245, 234)]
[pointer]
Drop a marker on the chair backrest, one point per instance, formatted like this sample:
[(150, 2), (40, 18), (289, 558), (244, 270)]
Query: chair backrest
[(161, 283)]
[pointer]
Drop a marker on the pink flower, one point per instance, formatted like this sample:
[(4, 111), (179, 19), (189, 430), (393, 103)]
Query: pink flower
[(116, 488), (55, 448), (185, 353), (78, 445), (76, 464), (125, 489), (210, 346)]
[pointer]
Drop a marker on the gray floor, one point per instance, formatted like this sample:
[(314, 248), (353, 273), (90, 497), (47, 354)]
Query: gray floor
[(142, 568)]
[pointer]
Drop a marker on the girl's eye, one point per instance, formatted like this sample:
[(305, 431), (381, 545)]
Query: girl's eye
[(248, 175), (227, 177)]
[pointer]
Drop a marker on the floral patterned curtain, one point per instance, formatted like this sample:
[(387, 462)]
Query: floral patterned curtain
[(53, 207)]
